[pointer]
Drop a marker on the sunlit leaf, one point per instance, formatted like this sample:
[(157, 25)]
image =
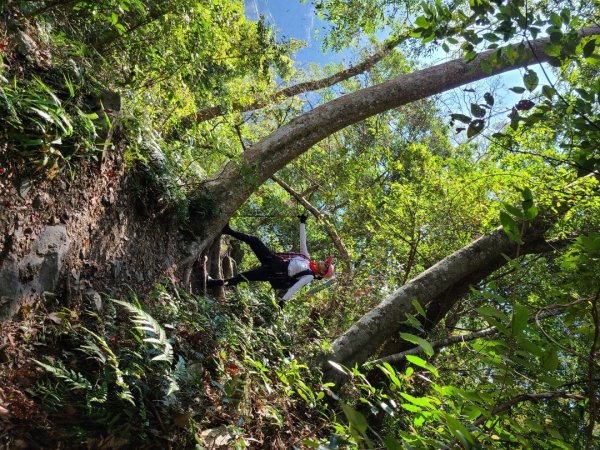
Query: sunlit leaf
[(531, 80), (424, 344), (422, 363)]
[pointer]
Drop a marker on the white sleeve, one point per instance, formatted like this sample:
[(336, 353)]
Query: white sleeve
[(303, 247), (303, 281)]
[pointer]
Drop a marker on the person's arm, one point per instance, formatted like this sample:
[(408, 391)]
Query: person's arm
[(303, 247), (303, 281)]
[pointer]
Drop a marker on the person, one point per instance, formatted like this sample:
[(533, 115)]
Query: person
[(287, 271)]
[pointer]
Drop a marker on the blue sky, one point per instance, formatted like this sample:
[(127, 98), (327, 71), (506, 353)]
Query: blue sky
[(293, 18), (298, 20)]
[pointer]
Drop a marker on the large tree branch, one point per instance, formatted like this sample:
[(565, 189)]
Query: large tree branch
[(335, 238), (437, 289), (363, 338), (239, 178), (300, 88)]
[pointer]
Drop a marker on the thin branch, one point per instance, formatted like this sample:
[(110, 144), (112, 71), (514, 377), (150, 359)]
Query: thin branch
[(549, 312), (301, 88), (240, 137), (558, 344), (337, 241), (153, 16), (50, 6), (540, 396)]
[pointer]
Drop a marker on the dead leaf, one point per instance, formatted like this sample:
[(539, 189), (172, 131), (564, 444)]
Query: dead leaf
[(55, 318)]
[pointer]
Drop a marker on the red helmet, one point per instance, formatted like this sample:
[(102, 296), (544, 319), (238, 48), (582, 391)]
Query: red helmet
[(330, 268)]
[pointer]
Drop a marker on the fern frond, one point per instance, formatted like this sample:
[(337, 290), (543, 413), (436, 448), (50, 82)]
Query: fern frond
[(100, 396), (156, 335), (124, 393), (74, 379), (176, 376), (91, 349)]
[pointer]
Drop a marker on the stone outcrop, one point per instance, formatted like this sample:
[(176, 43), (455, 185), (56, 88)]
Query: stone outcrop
[(37, 273)]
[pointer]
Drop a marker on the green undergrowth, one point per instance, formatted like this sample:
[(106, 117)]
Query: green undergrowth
[(174, 367), (47, 128), (178, 365)]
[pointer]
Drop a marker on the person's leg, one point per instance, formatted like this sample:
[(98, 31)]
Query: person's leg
[(261, 273), (262, 252)]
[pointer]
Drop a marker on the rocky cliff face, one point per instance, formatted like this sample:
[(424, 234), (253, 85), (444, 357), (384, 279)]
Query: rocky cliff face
[(37, 273), (78, 235)]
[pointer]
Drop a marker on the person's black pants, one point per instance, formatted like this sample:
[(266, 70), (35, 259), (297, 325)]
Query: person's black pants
[(272, 267)]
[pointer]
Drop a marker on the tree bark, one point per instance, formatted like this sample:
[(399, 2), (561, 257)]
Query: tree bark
[(240, 178)]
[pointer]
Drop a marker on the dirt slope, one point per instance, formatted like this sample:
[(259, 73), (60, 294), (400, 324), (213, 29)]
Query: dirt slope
[(78, 233)]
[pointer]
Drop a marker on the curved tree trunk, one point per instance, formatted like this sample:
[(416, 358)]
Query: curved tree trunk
[(240, 178)]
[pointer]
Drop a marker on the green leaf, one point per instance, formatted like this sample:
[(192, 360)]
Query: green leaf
[(418, 307), (477, 110), (411, 408), (390, 372), (514, 119), (519, 319), (529, 209), (517, 89), (423, 402), (311, 444), (531, 80), (531, 212), (489, 311), (412, 321), (548, 91), (425, 345), (491, 37), (422, 22), (470, 56), (588, 49), (461, 118), (513, 210), (460, 431), (510, 227), (391, 443), (555, 20), (420, 362), (550, 362), (526, 193), (553, 49), (475, 128), (356, 419)]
